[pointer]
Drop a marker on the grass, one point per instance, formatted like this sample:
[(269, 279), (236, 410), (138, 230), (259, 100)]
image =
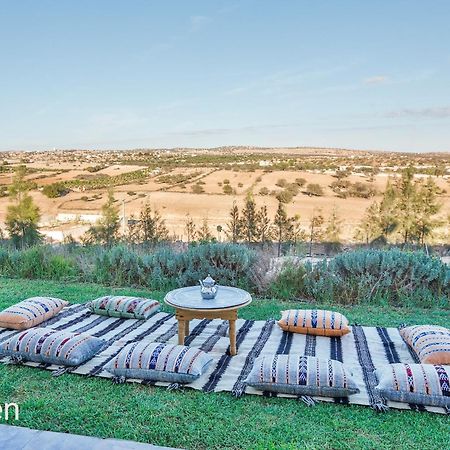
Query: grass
[(194, 420)]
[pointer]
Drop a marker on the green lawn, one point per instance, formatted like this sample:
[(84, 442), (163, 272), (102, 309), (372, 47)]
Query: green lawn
[(191, 419)]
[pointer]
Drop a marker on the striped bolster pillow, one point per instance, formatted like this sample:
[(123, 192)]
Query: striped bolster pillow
[(45, 345), (421, 384), (302, 375), (159, 362), (314, 321), (431, 343), (31, 312), (124, 307)]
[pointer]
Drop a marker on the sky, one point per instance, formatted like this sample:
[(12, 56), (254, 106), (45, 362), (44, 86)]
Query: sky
[(152, 74)]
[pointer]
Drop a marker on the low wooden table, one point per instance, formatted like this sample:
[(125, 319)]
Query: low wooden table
[(189, 305)]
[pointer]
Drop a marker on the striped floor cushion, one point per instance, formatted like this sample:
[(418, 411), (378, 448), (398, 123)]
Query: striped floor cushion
[(159, 362), (31, 312), (46, 345), (124, 307), (431, 343), (302, 375), (421, 384), (314, 321)]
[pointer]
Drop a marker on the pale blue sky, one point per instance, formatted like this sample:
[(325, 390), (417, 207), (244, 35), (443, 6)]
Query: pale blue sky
[(128, 74)]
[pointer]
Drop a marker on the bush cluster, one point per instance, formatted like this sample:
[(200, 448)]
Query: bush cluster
[(389, 277), (161, 268)]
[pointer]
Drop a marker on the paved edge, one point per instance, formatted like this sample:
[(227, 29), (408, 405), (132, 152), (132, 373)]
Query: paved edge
[(20, 438)]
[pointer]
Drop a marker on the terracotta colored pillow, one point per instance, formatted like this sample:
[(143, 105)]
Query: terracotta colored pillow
[(431, 343), (31, 312), (314, 321)]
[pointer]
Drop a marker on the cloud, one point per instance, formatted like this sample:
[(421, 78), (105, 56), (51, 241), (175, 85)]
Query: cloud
[(198, 22), (377, 79), (435, 112)]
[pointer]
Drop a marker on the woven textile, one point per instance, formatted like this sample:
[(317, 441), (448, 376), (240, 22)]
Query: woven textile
[(422, 384), (126, 307), (51, 346), (31, 312), (362, 351), (431, 343), (314, 321), (157, 361), (302, 375)]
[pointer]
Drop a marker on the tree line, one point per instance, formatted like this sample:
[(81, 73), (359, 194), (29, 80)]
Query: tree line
[(406, 211)]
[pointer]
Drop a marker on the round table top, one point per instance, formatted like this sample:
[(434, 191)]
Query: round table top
[(191, 298)]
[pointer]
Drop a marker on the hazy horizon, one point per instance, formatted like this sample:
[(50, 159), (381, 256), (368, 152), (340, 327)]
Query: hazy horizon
[(112, 75)]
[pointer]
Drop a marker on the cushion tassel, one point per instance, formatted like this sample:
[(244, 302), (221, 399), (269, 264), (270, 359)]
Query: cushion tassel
[(380, 407), (402, 325), (174, 387), (14, 360), (60, 371), (118, 380), (447, 409), (309, 401), (238, 392)]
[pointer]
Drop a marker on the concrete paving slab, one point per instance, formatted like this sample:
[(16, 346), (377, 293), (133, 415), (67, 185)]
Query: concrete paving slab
[(20, 438)]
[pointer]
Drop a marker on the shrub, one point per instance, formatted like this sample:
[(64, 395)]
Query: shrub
[(290, 283), (197, 189), (281, 182), (285, 196), (55, 190), (229, 264), (314, 189), (118, 266), (300, 182), (391, 277), (227, 189), (264, 191)]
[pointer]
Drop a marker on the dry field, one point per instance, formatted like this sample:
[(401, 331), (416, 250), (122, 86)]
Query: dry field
[(170, 189)]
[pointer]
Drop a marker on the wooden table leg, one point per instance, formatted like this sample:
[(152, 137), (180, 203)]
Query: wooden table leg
[(181, 331), (186, 328), (232, 337)]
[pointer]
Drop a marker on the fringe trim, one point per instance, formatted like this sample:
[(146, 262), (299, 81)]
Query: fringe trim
[(307, 400), (119, 380), (61, 371), (174, 387), (13, 360), (380, 407)]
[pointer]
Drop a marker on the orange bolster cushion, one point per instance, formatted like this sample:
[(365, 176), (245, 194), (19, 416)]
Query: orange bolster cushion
[(314, 321), (430, 342), (30, 312)]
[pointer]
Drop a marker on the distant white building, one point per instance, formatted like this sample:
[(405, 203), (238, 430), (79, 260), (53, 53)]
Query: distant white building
[(72, 217)]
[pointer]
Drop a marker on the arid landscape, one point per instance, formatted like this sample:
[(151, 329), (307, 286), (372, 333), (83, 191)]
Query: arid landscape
[(70, 187)]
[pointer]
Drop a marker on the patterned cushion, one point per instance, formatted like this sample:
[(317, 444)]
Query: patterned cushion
[(431, 343), (124, 307), (302, 375), (314, 321), (421, 384), (46, 345), (30, 312), (159, 362)]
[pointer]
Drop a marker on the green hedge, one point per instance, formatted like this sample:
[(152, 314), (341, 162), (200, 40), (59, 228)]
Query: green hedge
[(386, 277), (161, 268), (391, 277)]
